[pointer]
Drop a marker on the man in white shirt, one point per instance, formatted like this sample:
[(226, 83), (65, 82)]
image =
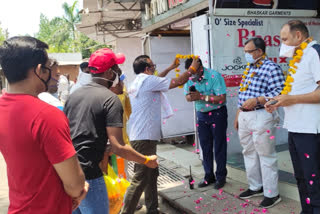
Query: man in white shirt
[(301, 101), (147, 99)]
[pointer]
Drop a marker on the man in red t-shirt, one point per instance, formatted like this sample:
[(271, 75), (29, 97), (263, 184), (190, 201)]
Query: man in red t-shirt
[(44, 174)]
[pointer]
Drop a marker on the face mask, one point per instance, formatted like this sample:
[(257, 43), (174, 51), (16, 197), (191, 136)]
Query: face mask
[(45, 82), (249, 58), (84, 78), (286, 50), (114, 82)]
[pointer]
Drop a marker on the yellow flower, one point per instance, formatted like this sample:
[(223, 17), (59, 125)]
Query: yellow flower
[(177, 74), (291, 70), (245, 72), (284, 92), (288, 89), (196, 57), (249, 82), (297, 58), (303, 45), (290, 78), (247, 69), (192, 56), (178, 56), (252, 75), (243, 76), (299, 52), (248, 64), (241, 84), (294, 66)]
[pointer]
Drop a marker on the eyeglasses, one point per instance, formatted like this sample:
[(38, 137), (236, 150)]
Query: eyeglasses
[(154, 65), (49, 69), (250, 51)]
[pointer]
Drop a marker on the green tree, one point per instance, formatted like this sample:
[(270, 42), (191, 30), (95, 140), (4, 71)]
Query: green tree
[(61, 34), (55, 33), (72, 17), (4, 34)]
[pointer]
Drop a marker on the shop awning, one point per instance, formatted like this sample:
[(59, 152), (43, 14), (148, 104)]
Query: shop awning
[(107, 20)]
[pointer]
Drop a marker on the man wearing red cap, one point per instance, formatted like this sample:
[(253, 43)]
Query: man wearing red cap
[(147, 98), (95, 115)]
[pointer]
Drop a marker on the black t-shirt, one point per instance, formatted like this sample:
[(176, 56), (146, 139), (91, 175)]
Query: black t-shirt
[(90, 110)]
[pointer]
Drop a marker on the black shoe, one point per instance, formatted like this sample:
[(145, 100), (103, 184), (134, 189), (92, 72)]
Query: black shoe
[(270, 202), (205, 183), (219, 184), (249, 193)]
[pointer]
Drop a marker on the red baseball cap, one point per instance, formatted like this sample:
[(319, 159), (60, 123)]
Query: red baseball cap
[(103, 59)]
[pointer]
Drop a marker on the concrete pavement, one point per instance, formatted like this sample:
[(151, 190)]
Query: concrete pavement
[(207, 200)]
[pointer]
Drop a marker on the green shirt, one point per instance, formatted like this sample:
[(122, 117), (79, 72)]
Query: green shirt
[(211, 84)]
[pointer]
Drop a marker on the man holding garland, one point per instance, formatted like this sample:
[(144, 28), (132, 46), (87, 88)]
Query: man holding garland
[(301, 100), (261, 79)]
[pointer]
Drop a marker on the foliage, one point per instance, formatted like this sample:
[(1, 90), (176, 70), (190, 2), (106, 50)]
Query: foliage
[(3, 34), (61, 35)]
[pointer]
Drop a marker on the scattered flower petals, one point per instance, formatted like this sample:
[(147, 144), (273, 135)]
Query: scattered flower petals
[(307, 156), (272, 137), (311, 182), (308, 200)]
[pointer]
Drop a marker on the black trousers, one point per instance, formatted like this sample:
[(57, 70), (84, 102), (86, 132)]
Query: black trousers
[(305, 155)]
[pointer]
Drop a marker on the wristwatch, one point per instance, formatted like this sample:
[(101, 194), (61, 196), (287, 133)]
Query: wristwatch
[(206, 98)]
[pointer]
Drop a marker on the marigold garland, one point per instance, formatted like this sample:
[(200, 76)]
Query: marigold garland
[(180, 56), (292, 64), (244, 87)]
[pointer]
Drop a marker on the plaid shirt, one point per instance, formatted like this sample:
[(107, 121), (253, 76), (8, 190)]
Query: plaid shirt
[(268, 81)]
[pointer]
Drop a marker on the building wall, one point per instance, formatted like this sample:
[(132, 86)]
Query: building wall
[(131, 48), (72, 70)]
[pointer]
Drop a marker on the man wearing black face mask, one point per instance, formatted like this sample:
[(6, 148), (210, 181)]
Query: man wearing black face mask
[(50, 96), (35, 137), (95, 115)]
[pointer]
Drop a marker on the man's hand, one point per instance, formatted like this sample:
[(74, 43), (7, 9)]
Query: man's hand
[(153, 162), (269, 107), (175, 64), (76, 201), (284, 100), (195, 95), (188, 97), (196, 64), (249, 103)]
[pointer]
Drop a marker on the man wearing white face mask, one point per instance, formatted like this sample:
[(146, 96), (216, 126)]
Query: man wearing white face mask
[(261, 79), (83, 78), (301, 100)]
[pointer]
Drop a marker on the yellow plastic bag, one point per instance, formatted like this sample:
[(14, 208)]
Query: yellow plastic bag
[(116, 188)]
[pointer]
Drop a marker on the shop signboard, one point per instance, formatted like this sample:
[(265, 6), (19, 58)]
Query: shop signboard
[(229, 35)]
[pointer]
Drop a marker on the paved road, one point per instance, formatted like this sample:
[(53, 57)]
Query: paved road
[(4, 202)]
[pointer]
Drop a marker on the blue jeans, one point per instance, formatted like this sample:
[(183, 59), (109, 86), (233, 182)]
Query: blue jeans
[(96, 201), (212, 131)]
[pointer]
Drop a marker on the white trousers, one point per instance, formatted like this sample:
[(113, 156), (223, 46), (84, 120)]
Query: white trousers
[(256, 131)]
